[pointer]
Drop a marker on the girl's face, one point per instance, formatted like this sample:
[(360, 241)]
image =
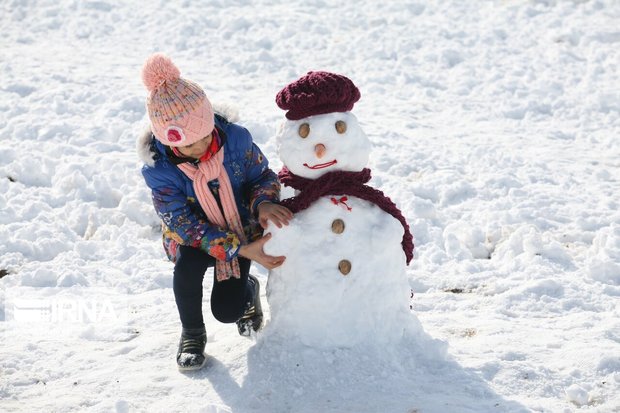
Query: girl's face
[(196, 149)]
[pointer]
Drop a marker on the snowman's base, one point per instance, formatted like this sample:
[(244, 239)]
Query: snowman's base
[(374, 347)]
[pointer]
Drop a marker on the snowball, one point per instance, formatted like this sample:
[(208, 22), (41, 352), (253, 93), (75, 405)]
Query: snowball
[(577, 395)]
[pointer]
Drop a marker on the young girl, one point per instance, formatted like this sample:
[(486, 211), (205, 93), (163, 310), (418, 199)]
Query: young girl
[(213, 190)]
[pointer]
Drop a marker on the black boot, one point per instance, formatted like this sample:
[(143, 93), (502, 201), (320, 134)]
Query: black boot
[(191, 354), (252, 318)]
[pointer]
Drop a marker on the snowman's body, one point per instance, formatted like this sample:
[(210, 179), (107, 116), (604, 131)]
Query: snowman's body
[(344, 280), (310, 297)]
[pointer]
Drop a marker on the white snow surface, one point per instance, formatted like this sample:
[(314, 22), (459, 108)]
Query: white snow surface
[(494, 126)]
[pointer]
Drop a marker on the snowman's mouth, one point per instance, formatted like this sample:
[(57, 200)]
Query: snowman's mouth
[(321, 165)]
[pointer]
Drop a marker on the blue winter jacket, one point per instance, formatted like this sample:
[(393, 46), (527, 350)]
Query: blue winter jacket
[(176, 203)]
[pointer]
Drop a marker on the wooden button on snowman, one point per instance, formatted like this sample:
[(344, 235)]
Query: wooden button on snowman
[(338, 226), (348, 245)]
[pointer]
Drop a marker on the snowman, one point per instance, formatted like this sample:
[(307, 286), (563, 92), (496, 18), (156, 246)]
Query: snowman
[(344, 281)]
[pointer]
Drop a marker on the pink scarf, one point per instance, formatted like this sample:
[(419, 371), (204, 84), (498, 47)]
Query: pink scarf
[(200, 176)]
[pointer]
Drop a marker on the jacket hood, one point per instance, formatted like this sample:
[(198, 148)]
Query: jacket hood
[(146, 150)]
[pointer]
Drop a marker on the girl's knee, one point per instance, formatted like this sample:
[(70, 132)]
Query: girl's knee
[(226, 313)]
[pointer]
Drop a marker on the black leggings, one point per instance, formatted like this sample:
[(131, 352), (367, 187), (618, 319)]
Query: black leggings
[(228, 298)]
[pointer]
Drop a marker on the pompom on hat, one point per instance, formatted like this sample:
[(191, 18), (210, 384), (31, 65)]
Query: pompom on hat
[(318, 93), (178, 108)]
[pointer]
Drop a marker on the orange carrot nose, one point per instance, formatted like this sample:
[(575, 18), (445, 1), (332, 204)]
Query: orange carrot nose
[(319, 150)]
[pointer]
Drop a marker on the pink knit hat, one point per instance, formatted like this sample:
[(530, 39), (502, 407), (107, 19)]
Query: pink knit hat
[(179, 110)]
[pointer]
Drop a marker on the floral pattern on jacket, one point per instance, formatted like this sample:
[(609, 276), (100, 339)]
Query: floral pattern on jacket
[(175, 201)]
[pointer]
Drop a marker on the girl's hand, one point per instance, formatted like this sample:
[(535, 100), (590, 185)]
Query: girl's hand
[(254, 251), (268, 211)]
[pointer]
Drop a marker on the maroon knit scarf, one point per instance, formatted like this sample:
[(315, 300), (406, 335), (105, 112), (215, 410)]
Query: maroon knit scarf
[(342, 183)]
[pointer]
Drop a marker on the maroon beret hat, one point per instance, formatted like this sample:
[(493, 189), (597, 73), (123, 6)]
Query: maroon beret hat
[(317, 93)]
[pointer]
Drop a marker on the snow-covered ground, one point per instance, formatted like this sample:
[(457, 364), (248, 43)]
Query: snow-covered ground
[(495, 127)]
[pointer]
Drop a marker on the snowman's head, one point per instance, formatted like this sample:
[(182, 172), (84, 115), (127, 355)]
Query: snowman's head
[(321, 134), (312, 146)]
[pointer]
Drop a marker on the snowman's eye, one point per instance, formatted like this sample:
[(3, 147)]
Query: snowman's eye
[(341, 126), (304, 130)]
